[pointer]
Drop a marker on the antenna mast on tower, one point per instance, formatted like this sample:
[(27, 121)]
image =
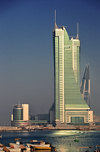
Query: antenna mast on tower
[(55, 16), (77, 31), (55, 20)]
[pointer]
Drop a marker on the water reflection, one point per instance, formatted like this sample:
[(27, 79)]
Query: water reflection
[(65, 132), (75, 141)]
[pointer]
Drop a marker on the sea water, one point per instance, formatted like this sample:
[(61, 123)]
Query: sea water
[(62, 140)]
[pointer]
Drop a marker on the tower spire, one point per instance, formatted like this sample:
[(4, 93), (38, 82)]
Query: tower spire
[(77, 31), (55, 20), (55, 16)]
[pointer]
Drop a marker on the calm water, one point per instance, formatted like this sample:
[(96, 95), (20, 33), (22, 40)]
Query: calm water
[(64, 141)]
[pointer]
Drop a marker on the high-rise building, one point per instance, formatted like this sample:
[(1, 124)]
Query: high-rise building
[(20, 116), (70, 106)]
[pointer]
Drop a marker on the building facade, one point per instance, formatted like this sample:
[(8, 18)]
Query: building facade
[(18, 112), (70, 106), (85, 85), (25, 111)]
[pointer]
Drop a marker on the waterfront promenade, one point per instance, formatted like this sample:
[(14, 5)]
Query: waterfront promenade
[(9, 128), (37, 127)]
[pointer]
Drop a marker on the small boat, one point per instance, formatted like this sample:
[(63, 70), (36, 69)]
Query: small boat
[(15, 147), (40, 145), (8, 149), (18, 147)]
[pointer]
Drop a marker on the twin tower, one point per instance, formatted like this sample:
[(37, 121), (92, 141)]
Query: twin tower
[(69, 105)]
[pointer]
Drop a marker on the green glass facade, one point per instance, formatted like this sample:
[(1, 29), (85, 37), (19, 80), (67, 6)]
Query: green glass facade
[(67, 94), (77, 120), (17, 112)]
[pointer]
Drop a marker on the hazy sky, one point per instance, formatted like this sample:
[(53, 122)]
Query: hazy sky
[(26, 50)]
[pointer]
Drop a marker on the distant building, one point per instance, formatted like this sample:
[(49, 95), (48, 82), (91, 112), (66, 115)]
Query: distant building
[(69, 105), (20, 116), (39, 119)]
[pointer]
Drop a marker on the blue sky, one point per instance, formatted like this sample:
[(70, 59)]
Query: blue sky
[(26, 50)]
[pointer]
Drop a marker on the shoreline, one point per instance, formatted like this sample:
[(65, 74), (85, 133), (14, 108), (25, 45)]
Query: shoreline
[(30, 129)]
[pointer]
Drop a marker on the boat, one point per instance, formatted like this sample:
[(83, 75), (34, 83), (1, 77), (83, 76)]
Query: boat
[(40, 145), (18, 147), (9, 149), (33, 146)]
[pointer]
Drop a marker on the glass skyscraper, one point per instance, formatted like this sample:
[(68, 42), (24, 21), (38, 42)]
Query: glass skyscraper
[(70, 107)]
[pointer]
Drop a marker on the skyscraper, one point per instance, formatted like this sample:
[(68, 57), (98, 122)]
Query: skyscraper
[(70, 107)]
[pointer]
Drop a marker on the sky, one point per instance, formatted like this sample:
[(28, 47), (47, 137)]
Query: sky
[(26, 50)]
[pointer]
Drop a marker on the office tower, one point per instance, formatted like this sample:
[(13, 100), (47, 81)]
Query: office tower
[(20, 116), (70, 107), (85, 85)]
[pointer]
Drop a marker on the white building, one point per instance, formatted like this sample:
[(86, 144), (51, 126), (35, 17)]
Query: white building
[(25, 111)]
